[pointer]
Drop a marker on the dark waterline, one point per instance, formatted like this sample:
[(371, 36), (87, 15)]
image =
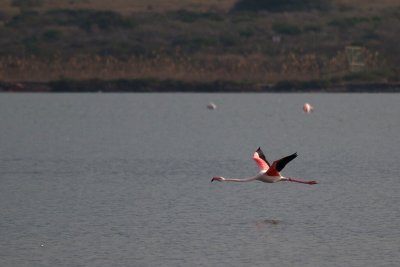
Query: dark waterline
[(169, 86)]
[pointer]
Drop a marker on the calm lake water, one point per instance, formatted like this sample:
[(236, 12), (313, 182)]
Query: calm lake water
[(124, 180)]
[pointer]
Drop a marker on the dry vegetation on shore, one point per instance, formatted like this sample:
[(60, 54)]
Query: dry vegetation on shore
[(195, 41)]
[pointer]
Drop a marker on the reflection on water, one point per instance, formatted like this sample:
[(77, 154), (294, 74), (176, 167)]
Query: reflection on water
[(260, 224), (267, 222)]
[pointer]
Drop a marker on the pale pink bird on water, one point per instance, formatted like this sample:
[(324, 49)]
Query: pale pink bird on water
[(211, 105), (268, 173), (307, 108)]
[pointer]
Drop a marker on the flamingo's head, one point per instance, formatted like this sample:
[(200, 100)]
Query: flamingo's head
[(312, 182), (217, 178)]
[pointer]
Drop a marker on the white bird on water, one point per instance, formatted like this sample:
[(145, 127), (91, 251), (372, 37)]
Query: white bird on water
[(211, 105), (268, 173), (307, 108)]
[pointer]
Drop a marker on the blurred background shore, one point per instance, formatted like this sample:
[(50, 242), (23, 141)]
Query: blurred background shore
[(259, 45)]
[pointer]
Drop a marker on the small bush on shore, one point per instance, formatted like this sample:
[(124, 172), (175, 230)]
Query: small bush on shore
[(281, 5), (27, 3), (85, 19), (284, 28), (52, 35), (192, 16)]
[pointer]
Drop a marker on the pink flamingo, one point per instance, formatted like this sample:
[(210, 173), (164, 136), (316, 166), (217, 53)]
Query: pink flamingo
[(307, 108), (268, 173)]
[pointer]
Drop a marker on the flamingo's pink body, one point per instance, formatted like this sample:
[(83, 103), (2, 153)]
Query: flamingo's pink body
[(307, 108), (268, 173)]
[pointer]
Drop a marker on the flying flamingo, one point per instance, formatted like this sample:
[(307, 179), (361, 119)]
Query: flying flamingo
[(268, 173)]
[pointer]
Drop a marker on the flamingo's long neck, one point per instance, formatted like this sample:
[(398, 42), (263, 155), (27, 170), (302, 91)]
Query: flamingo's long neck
[(299, 181), (246, 179)]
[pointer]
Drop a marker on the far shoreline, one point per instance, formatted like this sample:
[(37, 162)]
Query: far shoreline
[(177, 86)]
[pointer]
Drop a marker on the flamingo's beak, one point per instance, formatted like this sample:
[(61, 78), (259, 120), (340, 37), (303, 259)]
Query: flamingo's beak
[(215, 178)]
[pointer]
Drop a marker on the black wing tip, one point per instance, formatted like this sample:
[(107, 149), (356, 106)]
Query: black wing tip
[(281, 163)]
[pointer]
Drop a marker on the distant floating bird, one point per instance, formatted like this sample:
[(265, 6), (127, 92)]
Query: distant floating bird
[(268, 173), (211, 105), (307, 108)]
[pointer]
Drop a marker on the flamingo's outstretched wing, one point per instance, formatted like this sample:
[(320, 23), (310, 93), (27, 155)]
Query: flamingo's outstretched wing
[(280, 164), (260, 159)]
